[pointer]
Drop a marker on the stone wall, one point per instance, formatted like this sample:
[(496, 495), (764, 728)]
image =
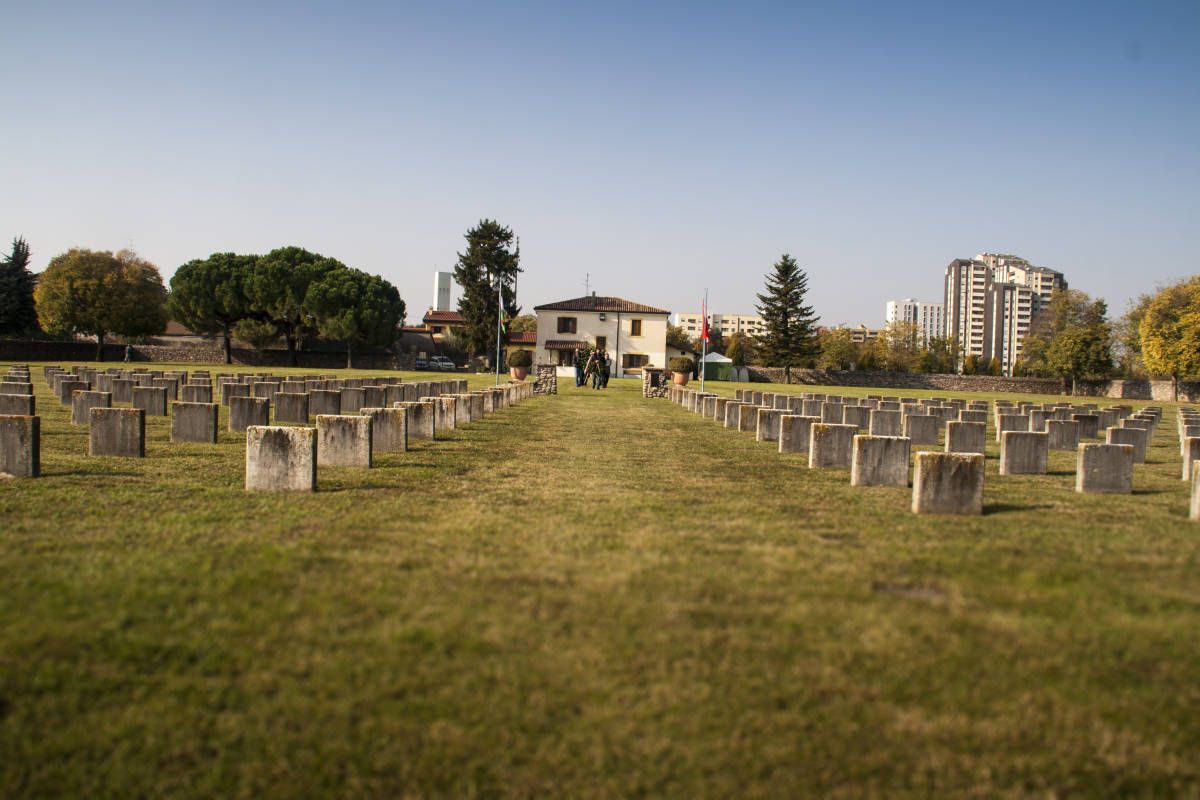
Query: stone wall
[(908, 380), (547, 379), (198, 353), (654, 382), (1189, 391)]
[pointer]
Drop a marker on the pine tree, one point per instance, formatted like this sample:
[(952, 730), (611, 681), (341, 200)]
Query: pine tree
[(790, 337), (18, 313), (487, 257)]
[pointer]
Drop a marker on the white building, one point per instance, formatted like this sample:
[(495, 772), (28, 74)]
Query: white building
[(727, 324), (930, 318), (634, 335)]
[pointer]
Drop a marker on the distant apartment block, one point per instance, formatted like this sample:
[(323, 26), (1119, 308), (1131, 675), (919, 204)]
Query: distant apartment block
[(725, 323), (930, 318), (990, 302)]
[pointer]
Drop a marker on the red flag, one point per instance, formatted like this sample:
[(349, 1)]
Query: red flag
[(704, 319)]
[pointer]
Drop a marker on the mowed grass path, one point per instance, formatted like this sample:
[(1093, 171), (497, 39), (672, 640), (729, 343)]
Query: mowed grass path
[(588, 595)]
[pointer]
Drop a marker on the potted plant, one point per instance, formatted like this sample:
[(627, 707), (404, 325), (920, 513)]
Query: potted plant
[(681, 369), (519, 362)]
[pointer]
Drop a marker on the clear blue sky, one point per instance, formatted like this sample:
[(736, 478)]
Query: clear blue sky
[(662, 148)]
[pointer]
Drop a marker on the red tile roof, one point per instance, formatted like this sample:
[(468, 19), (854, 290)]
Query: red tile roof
[(446, 317), (594, 303), (522, 337), (564, 344)]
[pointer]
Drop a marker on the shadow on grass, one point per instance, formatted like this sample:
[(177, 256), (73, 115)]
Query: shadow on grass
[(1003, 508)]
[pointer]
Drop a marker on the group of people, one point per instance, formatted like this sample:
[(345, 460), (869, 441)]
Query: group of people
[(597, 366)]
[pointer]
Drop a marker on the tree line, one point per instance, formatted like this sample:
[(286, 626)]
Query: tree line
[(289, 292)]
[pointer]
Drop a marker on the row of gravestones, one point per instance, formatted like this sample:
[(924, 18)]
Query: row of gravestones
[(826, 428), (435, 405)]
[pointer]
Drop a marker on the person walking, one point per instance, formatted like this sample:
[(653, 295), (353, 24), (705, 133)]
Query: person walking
[(128, 354), (605, 370), (578, 369)]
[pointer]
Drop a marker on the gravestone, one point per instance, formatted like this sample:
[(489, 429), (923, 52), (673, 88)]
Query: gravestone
[(1011, 422), (794, 433), (1023, 453), (389, 429), (117, 432), (1194, 511), (880, 461), (1089, 425), (1064, 434), (966, 437), (732, 415), (972, 416), (83, 402), (20, 446), (151, 399), (831, 413), (1191, 453), (343, 441), (21, 405), (231, 390), (247, 411), (325, 401), (831, 445), (281, 459), (373, 397), (422, 422), (1104, 469), (858, 416), (291, 407), (885, 423), (767, 429), (67, 389), (921, 428), (948, 483), (196, 393), (352, 401), (747, 418), (1137, 437), (194, 422)]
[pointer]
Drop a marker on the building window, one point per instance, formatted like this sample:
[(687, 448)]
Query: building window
[(566, 324), (635, 327), (631, 360), (565, 357), (602, 343)]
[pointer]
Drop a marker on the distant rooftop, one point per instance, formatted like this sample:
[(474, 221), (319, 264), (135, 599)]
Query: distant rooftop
[(593, 303)]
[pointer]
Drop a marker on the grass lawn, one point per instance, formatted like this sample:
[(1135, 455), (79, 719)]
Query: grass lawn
[(589, 595)]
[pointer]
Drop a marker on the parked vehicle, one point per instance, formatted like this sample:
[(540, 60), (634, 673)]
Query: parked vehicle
[(421, 363), (441, 363)]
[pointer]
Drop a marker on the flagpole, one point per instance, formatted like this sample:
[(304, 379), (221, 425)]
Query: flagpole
[(499, 319), (703, 339)]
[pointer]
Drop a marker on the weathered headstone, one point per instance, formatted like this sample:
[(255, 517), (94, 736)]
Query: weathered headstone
[(831, 445), (352, 401), (880, 461), (1063, 434), (67, 389), (389, 428), (1104, 469), (280, 459), (247, 411), (831, 413), (747, 418), (767, 429), (921, 428), (1138, 437), (1191, 453), (117, 432), (1010, 422), (194, 422), (20, 446), (858, 416), (422, 420), (885, 423), (22, 405), (291, 407), (1023, 453), (151, 399), (966, 437), (732, 415), (795, 433), (948, 483), (343, 441), (324, 401), (83, 402), (196, 393)]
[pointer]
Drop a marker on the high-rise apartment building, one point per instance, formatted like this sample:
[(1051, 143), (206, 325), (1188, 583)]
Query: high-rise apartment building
[(990, 303), (930, 318)]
